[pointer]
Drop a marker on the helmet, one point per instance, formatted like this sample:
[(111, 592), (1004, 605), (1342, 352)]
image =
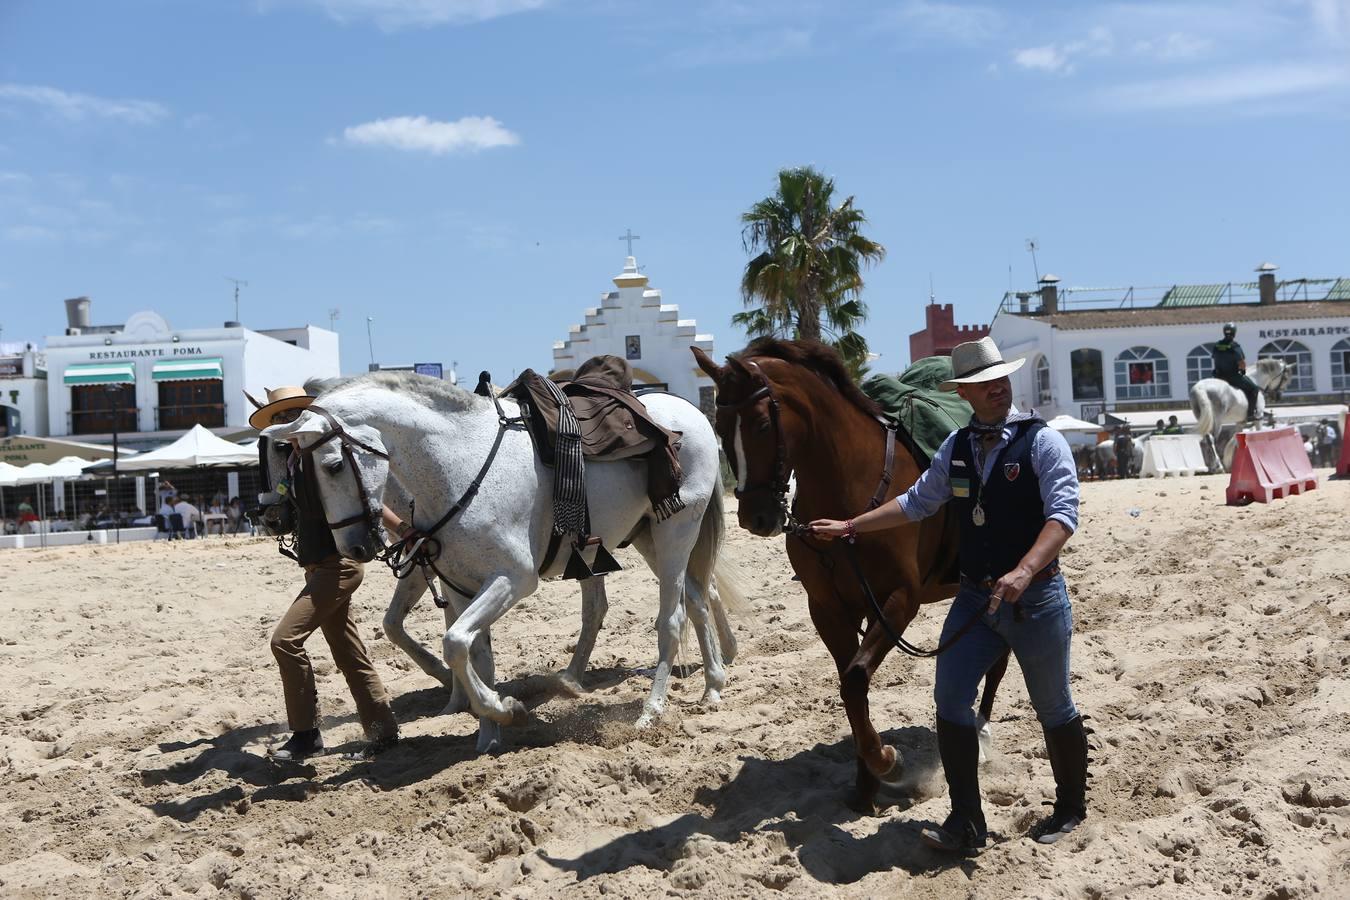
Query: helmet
[(1229, 326)]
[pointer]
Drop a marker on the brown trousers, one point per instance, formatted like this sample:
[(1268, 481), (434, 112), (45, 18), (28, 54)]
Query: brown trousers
[(325, 603)]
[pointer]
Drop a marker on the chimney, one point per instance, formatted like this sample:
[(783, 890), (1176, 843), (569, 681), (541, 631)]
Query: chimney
[(1049, 294), (1265, 283), (77, 314)]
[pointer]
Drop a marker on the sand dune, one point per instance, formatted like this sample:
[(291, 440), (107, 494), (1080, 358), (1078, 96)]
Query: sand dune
[(1212, 652)]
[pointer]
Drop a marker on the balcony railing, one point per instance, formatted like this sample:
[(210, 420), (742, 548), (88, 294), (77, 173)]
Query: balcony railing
[(101, 421), (184, 416)]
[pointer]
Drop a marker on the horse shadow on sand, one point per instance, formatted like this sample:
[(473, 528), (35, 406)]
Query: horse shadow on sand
[(412, 760), (803, 798)]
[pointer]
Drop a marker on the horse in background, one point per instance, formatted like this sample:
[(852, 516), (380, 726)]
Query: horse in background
[(433, 437), (1216, 403), (790, 408)]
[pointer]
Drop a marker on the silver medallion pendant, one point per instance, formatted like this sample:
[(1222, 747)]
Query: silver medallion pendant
[(977, 515)]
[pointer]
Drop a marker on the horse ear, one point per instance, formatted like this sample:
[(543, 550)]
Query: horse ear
[(705, 362), (734, 362)]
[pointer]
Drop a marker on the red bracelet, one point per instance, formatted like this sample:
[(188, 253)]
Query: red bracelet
[(850, 531)]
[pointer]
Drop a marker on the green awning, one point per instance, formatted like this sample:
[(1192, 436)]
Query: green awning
[(101, 373), (194, 369)]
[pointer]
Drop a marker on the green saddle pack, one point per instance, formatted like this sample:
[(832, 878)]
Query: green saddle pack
[(914, 402)]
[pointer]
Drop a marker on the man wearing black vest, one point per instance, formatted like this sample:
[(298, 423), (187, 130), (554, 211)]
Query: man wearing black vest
[(1230, 365), (1013, 484)]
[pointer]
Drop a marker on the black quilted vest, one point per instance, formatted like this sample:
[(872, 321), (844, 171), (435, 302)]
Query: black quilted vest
[(1013, 511)]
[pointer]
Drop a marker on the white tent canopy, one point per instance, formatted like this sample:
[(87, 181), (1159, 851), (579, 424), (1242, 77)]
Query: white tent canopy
[(1069, 423), (67, 467), (199, 447), (9, 475)]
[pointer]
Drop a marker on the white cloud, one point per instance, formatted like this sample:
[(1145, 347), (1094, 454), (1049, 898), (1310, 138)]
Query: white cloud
[(1061, 58), (30, 233), (1173, 47), (395, 14), (1242, 85), (429, 136), (77, 107), (1047, 59), (1331, 18), (950, 21)]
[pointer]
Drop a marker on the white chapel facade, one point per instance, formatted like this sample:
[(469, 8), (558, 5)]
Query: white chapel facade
[(633, 324)]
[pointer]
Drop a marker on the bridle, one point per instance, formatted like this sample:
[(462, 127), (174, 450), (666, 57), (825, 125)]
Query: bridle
[(371, 511), (782, 472)]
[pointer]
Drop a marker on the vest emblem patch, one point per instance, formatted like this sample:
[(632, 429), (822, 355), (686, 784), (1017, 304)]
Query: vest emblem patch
[(1012, 470), (961, 487)]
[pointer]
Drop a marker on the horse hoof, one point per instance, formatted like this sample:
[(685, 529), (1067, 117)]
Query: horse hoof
[(568, 686), (862, 804), (646, 720), (516, 712), (712, 697), (456, 706), (489, 743)]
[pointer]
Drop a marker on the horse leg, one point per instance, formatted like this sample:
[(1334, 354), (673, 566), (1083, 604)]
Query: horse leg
[(839, 633), (881, 759), (594, 605), (480, 657), (714, 673), (497, 595), (406, 594), (726, 637), (992, 678)]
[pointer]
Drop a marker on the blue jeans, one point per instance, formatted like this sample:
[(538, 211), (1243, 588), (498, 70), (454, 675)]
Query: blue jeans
[(1040, 641)]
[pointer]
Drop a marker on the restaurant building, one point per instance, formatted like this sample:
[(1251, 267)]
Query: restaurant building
[(23, 390), (1136, 352), (150, 382)]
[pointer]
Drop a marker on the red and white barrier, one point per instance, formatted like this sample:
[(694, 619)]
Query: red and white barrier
[(1343, 464), (1269, 465)]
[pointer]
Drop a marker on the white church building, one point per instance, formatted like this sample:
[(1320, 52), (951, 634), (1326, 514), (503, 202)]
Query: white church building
[(632, 323)]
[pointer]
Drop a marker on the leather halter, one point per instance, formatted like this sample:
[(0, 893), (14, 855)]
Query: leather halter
[(781, 472), (371, 514)]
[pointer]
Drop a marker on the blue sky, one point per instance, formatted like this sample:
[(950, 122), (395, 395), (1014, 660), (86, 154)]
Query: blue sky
[(461, 169)]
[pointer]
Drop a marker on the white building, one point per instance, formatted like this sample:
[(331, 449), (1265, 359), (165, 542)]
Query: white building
[(23, 390), (156, 381), (1136, 353), (633, 323)]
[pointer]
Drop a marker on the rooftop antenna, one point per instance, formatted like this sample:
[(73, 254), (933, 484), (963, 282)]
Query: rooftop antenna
[(333, 315), (1031, 248), (238, 283), (370, 340), (932, 297)]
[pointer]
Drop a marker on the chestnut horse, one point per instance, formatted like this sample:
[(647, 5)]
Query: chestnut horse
[(790, 407)]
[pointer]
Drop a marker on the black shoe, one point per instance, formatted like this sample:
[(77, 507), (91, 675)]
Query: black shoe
[(1068, 751), (956, 835), (371, 749), (299, 746)]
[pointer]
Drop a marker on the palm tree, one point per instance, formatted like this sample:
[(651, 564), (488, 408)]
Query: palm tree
[(808, 263)]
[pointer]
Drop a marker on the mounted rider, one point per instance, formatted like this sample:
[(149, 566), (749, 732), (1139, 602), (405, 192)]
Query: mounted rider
[(1230, 365)]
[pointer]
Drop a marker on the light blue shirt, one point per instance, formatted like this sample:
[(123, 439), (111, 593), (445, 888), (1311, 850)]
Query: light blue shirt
[(1051, 462)]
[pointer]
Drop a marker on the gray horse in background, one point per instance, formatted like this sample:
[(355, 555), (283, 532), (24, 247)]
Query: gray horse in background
[(1216, 403)]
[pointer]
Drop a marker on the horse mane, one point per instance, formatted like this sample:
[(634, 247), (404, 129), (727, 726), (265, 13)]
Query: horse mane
[(434, 393), (821, 359)]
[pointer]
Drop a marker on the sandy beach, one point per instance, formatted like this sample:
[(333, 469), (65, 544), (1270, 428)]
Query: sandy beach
[(1212, 653)]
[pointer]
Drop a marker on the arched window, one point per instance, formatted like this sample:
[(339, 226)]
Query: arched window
[(1042, 379), (1340, 365), (1086, 368), (1297, 354), (1199, 364), (1141, 374)]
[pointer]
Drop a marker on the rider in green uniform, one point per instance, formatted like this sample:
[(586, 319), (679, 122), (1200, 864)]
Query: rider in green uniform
[(1173, 426), (1230, 365)]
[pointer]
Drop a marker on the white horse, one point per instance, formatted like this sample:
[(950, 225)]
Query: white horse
[(434, 438), (1105, 453), (1216, 403)]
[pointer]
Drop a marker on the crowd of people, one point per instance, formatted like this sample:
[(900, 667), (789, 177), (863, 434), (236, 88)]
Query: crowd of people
[(227, 516)]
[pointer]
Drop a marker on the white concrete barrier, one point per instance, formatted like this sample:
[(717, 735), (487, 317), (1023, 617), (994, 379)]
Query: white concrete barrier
[(72, 538), (1173, 454)]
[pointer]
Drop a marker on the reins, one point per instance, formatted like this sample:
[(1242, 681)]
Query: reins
[(793, 528)]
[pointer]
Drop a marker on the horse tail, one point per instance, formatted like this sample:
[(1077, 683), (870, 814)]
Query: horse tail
[(718, 579), (1203, 411)]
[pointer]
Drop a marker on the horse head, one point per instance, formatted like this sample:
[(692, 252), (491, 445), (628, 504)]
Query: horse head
[(277, 517), (1277, 374), (349, 466), (749, 426)]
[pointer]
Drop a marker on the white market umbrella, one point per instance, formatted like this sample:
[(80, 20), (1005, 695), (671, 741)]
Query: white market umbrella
[(198, 447)]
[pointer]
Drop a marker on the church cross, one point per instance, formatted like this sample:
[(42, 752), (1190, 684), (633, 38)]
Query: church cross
[(630, 237)]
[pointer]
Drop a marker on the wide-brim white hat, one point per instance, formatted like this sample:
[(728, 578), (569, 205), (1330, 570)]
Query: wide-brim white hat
[(976, 361)]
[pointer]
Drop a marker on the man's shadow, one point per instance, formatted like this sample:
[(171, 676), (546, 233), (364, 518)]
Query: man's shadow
[(810, 790)]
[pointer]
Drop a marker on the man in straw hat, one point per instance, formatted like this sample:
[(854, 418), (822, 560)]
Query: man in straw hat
[(1014, 487), (324, 604)]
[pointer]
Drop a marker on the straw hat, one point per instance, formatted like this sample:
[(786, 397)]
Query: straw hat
[(278, 401), (976, 361)]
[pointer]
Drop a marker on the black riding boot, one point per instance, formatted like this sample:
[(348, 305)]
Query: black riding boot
[(965, 830), (300, 745), (1068, 749)]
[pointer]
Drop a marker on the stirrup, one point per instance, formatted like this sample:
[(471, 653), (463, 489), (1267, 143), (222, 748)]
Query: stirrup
[(578, 570)]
